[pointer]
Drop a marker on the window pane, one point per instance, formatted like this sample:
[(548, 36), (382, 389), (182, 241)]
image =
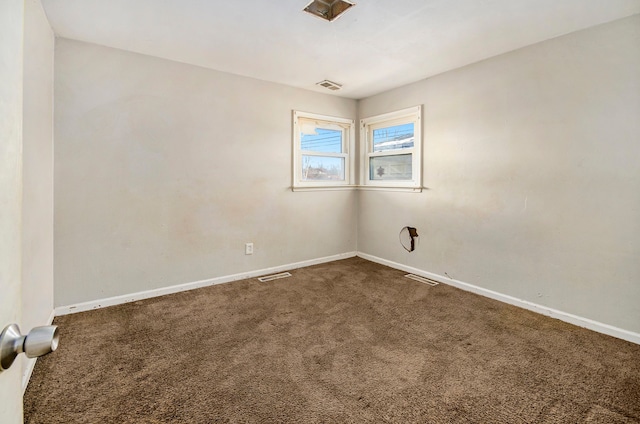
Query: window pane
[(322, 168), (397, 167), (392, 138), (316, 139)]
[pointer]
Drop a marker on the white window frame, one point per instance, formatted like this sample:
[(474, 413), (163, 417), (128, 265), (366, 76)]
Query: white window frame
[(348, 147), (367, 125)]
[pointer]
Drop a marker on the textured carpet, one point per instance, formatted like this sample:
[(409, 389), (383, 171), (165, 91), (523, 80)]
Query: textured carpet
[(344, 342)]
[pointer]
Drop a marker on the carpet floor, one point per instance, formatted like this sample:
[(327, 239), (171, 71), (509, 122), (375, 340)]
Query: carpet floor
[(344, 342)]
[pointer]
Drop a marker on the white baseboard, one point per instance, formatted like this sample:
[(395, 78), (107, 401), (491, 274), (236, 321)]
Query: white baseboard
[(26, 376), (544, 310), (117, 300)]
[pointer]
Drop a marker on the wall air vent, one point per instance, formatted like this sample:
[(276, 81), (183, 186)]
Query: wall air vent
[(330, 85), (329, 10)]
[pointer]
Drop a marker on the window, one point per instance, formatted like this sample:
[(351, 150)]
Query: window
[(391, 146), (321, 151)]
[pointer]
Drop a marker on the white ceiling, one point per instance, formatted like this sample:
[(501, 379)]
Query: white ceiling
[(375, 46)]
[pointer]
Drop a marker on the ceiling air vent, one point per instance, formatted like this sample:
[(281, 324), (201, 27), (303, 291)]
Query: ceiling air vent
[(330, 85), (328, 10)]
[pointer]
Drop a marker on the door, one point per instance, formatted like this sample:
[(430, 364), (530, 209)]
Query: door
[(11, 24)]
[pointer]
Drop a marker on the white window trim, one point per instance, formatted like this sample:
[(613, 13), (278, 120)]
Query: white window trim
[(413, 114), (298, 184)]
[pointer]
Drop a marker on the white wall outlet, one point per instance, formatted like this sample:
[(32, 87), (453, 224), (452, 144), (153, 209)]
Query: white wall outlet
[(248, 249)]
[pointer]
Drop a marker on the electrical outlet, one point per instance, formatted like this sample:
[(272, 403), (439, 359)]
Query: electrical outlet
[(248, 249)]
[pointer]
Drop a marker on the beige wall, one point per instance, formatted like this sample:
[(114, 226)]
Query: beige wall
[(37, 201), (163, 171), (531, 163), (11, 54)]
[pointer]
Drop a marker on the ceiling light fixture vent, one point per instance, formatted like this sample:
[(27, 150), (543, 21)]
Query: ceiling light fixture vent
[(330, 85), (329, 10)]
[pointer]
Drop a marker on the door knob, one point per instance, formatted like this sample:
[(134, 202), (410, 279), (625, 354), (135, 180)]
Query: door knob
[(39, 342)]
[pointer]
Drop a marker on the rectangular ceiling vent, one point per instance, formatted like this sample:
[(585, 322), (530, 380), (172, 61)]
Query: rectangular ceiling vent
[(329, 10), (330, 85)]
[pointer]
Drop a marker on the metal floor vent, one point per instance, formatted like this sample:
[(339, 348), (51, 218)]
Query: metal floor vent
[(422, 279), (274, 277)]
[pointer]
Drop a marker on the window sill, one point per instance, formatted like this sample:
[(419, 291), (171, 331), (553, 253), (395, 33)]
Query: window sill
[(359, 187), (325, 188), (391, 188)]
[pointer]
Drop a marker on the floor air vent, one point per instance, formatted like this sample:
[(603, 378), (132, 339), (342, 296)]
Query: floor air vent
[(274, 277), (422, 279)]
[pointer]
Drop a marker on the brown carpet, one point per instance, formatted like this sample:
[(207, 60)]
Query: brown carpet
[(345, 342)]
